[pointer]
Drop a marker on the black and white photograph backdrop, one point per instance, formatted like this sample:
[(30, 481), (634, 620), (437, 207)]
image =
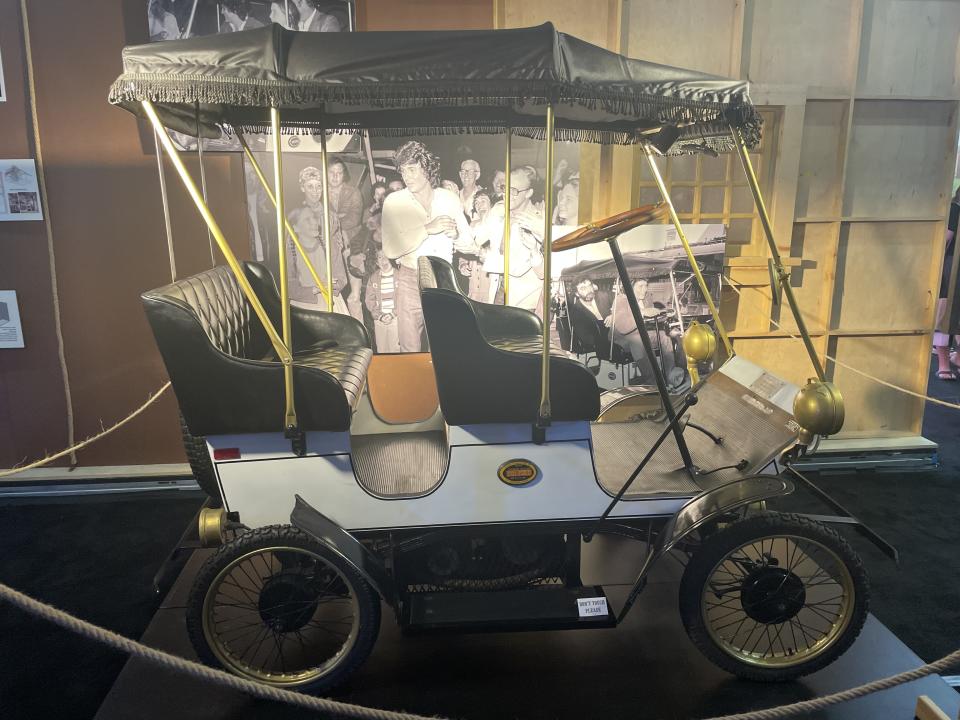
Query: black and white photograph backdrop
[(179, 19), (592, 316), (379, 190)]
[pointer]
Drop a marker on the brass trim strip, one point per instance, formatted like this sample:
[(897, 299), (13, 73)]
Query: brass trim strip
[(781, 272), (218, 235), (327, 240), (506, 221), (290, 412), (293, 236), (164, 198), (545, 411), (687, 249)]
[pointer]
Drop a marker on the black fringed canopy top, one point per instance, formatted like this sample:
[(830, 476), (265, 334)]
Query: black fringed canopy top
[(431, 82)]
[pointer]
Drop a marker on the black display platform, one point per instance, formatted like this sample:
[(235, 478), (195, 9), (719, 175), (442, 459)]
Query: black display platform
[(646, 668)]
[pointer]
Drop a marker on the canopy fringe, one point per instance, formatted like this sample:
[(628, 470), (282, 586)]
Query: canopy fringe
[(698, 107)]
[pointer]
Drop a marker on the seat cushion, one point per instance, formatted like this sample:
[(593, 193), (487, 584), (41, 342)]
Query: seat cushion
[(348, 366)]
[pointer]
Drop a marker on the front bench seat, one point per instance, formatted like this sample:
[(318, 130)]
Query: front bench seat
[(496, 378), (224, 372)]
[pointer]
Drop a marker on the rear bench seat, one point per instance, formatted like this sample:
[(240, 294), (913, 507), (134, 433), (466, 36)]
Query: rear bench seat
[(224, 372)]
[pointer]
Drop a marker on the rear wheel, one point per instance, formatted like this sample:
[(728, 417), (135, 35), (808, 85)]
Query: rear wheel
[(200, 464), (774, 597), (279, 607)]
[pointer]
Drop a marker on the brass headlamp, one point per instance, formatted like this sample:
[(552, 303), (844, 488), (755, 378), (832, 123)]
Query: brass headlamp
[(818, 408)]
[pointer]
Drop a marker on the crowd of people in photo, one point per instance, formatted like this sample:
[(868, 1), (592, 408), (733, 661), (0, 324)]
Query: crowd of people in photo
[(376, 245), (379, 235), (178, 19)]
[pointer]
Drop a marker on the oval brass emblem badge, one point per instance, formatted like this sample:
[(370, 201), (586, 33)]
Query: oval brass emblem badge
[(518, 472)]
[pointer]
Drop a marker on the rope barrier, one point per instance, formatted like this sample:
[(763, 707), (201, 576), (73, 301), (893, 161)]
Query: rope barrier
[(172, 662), (347, 710), (732, 284), (72, 449)]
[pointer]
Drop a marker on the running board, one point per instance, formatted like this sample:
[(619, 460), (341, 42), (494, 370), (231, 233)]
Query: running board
[(537, 608)]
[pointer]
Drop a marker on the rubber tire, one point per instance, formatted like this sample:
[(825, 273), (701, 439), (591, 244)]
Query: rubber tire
[(728, 539), (200, 464), (287, 536)]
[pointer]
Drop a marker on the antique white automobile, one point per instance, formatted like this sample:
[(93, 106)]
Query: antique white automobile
[(456, 487)]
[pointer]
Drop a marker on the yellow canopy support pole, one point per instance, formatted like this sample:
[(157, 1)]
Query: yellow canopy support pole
[(506, 221), (282, 352), (293, 236), (543, 419), (782, 274), (290, 413), (327, 240), (688, 250)]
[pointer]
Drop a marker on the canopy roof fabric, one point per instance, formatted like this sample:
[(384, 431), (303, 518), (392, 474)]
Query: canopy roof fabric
[(430, 82)]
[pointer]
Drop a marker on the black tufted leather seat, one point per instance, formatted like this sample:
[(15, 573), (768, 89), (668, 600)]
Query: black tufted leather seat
[(487, 359), (224, 372)]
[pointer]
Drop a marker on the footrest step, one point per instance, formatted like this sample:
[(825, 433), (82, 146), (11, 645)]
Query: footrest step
[(537, 608)]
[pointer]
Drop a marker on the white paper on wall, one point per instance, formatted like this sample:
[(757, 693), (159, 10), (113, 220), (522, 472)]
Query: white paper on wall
[(19, 192), (11, 332)]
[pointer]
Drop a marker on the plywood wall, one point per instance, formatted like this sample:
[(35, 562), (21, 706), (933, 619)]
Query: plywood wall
[(861, 181)]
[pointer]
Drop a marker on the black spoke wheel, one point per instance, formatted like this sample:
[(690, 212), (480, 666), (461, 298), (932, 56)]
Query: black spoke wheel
[(773, 597), (279, 607)]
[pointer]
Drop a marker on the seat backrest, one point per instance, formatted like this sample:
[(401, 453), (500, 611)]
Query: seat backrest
[(215, 298), (479, 382), (586, 332), (444, 276)]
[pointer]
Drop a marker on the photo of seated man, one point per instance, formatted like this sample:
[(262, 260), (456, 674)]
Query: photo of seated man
[(627, 336)]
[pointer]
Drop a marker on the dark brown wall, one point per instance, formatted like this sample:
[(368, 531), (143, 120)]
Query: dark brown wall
[(32, 401), (107, 223), (109, 240)]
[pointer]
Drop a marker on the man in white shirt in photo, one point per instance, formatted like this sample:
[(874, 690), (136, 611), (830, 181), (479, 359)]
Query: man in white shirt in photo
[(422, 219)]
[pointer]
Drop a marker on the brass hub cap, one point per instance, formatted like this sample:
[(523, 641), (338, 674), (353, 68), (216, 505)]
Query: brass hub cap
[(284, 616), (778, 601)]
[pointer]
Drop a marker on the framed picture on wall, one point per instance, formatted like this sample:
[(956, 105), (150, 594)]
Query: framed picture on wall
[(19, 191)]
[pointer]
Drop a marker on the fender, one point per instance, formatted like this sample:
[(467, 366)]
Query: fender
[(700, 510), (322, 528)]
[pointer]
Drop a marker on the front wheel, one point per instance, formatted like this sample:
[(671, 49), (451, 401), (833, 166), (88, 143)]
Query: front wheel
[(774, 597), (277, 606)]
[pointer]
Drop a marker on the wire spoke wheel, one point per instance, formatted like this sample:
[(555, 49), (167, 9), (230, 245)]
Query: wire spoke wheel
[(278, 607), (774, 596)]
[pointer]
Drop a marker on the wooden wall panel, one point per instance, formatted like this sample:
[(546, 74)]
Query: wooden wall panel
[(819, 186), (899, 153), (695, 34), (596, 22), (909, 48), (785, 357), (807, 43), (816, 246), (874, 410), (886, 276), (424, 15)]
